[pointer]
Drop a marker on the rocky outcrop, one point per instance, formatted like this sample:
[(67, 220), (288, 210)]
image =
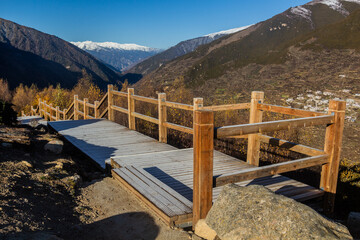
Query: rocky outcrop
[(254, 212), (54, 146)]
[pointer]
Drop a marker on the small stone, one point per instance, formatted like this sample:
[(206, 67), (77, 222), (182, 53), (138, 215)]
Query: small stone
[(203, 230), (26, 163), (54, 146), (77, 179), (6, 145)]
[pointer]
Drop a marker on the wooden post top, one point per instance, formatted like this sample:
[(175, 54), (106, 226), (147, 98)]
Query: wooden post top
[(337, 105), (110, 87), (257, 95), (76, 97), (162, 95), (198, 103), (131, 90), (204, 117), (86, 99)]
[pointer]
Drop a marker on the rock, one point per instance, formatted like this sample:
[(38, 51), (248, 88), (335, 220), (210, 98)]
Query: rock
[(26, 163), (54, 146), (6, 145), (254, 212), (353, 223), (196, 237), (76, 180), (204, 231)]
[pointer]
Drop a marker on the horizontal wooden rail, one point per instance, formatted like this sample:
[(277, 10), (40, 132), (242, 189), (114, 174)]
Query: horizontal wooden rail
[(90, 105), (227, 107), (145, 99), (179, 105), (119, 109), (146, 118), (80, 101), (291, 146), (91, 117), (80, 112), (118, 93), (289, 110), (179, 128), (288, 124), (258, 172), (52, 117), (103, 113)]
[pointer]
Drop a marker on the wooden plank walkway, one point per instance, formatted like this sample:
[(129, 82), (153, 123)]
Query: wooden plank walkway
[(164, 180), (159, 174), (101, 139)]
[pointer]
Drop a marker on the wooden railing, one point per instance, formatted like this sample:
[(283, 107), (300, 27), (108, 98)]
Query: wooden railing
[(204, 134), (329, 158)]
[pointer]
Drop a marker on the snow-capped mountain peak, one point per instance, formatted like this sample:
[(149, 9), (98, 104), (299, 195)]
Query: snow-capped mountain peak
[(226, 32), (97, 46)]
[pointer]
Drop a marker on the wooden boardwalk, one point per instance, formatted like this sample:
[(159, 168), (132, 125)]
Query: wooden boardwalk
[(157, 173), (101, 139)]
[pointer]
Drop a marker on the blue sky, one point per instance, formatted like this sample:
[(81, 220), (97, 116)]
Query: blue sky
[(159, 24)]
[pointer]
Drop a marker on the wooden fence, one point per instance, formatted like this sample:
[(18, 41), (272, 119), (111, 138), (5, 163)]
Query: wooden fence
[(204, 134)]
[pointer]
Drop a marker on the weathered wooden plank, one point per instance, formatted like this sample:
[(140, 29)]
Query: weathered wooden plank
[(179, 128), (263, 127), (145, 99), (150, 204), (288, 110), (291, 146), (163, 191), (146, 118), (179, 106), (272, 169), (227, 107)]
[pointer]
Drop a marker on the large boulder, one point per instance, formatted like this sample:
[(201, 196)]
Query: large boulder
[(254, 212), (54, 146)]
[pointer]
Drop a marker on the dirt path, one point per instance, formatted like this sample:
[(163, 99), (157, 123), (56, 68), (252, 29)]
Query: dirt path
[(117, 214), (45, 196)]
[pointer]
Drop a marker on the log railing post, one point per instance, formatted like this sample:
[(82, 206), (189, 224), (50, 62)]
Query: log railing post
[(253, 151), (50, 111), (203, 163), (162, 118), (76, 107), (57, 116), (86, 108), (131, 108), (96, 109), (64, 113), (39, 107), (45, 110), (333, 140), (198, 103), (110, 102)]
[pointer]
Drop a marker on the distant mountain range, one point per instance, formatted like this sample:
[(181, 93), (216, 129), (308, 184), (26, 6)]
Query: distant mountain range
[(119, 56), (178, 50), (30, 56), (303, 47)]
